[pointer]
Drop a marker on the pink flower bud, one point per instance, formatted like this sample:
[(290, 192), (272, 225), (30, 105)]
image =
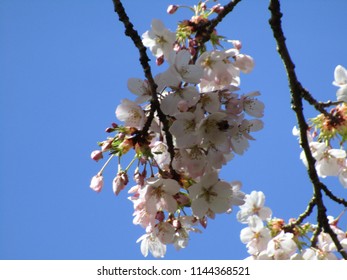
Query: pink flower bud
[(109, 129), (217, 8), (97, 183), (237, 44), (172, 9), (160, 60), (119, 182), (139, 178), (106, 145), (244, 62), (96, 155)]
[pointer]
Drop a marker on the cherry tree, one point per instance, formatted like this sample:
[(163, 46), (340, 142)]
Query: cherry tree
[(183, 125)]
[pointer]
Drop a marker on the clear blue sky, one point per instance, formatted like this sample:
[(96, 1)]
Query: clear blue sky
[(64, 69)]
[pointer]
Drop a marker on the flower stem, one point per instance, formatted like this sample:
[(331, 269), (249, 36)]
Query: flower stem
[(106, 163)]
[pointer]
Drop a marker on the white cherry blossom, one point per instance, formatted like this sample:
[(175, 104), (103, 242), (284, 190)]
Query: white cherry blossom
[(159, 39), (158, 195), (151, 243), (282, 246), (131, 114), (256, 236), (141, 89), (252, 106), (171, 102), (210, 194), (184, 128), (340, 75), (254, 205), (181, 70)]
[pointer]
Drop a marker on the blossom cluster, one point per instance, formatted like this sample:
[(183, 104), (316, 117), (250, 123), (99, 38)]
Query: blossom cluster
[(177, 182), (328, 134), (267, 238)]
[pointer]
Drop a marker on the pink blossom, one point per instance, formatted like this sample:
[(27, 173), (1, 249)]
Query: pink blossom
[(97, 183), (96, 155), (119, 182)]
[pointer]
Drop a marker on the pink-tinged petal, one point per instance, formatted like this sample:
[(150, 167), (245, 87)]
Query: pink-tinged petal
[(171, 186), (97, 183), (199, 207), (195, 190), (219, 204), (244, 62), (191, 73), (168, 203), (182, 58)]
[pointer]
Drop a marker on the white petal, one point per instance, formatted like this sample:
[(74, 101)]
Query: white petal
[(341, 94), (199, 207), (340, 75)]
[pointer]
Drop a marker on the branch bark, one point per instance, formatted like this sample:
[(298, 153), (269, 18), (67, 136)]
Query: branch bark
[(296, 96), (144, 60)]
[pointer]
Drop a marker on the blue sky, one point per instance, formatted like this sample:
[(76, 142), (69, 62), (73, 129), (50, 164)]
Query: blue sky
[(64, 69)]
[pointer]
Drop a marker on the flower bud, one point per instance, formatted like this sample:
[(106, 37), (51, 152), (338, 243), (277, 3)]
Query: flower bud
[(96, 155), (244, 62), (172, 9), (109, 129), (119, 182), (160, 60), (106, 145), (217, 8), (97, 183)]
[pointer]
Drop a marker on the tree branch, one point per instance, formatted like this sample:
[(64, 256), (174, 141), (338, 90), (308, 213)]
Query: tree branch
[(209, 27), (144, 60), (296, 96), (302, 216)]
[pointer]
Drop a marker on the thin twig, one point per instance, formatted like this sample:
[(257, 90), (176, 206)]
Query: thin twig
[(332, 196), (302, 216)]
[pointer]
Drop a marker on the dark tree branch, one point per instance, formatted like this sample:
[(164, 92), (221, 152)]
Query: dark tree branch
[(296, 96), (228, 8), (302, 216), (144, 60), (210, 26), (332, 196)]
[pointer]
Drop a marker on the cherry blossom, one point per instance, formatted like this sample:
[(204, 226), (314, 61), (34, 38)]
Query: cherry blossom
[(159, 39), (196, 106), (340, 75), (131, 114), (254, 205), (256, 236), (171, 103), (181, 70), (151, 243), (140, 88), (184, 128), (210, 194), (158, 195), (282, 247)]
